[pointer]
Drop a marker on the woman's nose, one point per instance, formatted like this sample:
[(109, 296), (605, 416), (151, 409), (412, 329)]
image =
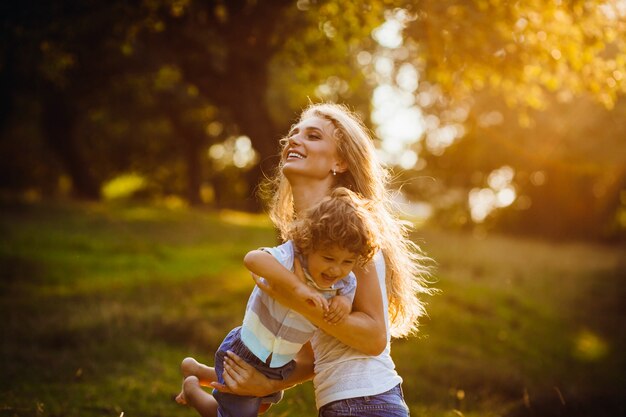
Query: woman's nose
[(293, 140)]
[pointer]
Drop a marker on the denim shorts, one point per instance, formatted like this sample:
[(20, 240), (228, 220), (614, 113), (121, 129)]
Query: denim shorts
[(230, 405), (387, 404)]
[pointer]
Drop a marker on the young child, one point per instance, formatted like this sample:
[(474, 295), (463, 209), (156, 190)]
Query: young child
[(328, 241)]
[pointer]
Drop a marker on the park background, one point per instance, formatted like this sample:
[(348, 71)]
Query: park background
[(134, 134)]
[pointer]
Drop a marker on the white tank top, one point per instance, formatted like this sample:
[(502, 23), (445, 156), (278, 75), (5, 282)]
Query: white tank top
[(342, 372)]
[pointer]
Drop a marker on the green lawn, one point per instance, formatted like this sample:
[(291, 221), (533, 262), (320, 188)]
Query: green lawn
[(100, 303)]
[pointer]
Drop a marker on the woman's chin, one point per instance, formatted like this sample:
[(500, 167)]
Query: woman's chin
[(292, 170), (289, 170), (299, 176)]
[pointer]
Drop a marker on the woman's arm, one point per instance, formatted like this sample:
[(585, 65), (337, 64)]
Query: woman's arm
[(364, 329), (243, 379)]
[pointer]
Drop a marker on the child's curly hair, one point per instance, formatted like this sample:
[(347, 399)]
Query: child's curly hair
[(342, 219)]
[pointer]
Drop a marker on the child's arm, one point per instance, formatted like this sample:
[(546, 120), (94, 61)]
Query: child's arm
[(265, 265), (338, 309)]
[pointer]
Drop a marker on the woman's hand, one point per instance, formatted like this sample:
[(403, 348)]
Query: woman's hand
[(242, 378)]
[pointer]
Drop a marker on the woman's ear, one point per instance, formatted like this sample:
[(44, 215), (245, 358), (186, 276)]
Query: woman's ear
[(341, 167)]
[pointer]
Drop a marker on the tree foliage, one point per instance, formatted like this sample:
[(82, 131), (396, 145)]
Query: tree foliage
[(166, 89), (163, 63), (537, 86), (524, 50)]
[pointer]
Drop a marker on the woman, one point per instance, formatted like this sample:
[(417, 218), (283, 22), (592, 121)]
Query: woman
[(330, 147)]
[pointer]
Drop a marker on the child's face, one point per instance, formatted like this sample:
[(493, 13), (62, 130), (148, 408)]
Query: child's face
[(328, 265)]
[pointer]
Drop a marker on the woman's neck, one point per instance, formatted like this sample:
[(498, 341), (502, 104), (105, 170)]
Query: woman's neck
[(307, 194)]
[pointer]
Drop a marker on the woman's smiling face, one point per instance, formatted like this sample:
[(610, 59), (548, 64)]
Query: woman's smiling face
[(311, 149)]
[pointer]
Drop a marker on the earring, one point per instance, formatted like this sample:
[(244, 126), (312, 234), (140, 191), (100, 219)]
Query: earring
[(334, 172)]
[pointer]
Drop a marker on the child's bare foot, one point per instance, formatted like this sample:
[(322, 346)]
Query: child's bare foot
[(189, 366), (205, 374)]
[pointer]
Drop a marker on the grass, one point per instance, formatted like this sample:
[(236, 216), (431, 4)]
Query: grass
[(100, 303)]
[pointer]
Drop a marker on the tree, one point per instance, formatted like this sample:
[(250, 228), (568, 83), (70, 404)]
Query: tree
[(61, 53), (259, 62), (523, 50), (536, 86)]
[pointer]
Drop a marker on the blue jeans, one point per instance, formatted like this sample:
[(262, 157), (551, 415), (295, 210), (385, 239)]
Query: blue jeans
[(231, 405), (387, 404)]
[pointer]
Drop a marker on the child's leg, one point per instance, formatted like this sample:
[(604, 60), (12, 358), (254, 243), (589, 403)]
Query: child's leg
[(191, 367), (196, 397)]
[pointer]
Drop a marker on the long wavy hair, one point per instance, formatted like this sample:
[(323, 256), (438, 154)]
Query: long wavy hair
[(408, 268)]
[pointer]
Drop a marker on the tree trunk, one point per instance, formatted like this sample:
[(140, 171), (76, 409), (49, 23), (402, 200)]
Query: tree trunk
[(609, 203), (238, 86), (7, 82), (58, 126), (194, 171), (192, 143), (253, 118)]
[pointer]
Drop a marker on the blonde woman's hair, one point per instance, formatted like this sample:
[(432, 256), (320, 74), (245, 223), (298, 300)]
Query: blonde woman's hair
[(341, 219), (406, 265)]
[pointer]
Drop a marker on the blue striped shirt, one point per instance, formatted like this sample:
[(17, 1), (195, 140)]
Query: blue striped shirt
[(269, 328)]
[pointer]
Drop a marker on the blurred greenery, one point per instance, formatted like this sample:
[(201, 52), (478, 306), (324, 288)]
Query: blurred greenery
[(191, 97), (100, 302)]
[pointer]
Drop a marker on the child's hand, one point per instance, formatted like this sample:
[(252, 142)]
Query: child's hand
[(338, 309), (311, 297), (302, 292), (262, 284)]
